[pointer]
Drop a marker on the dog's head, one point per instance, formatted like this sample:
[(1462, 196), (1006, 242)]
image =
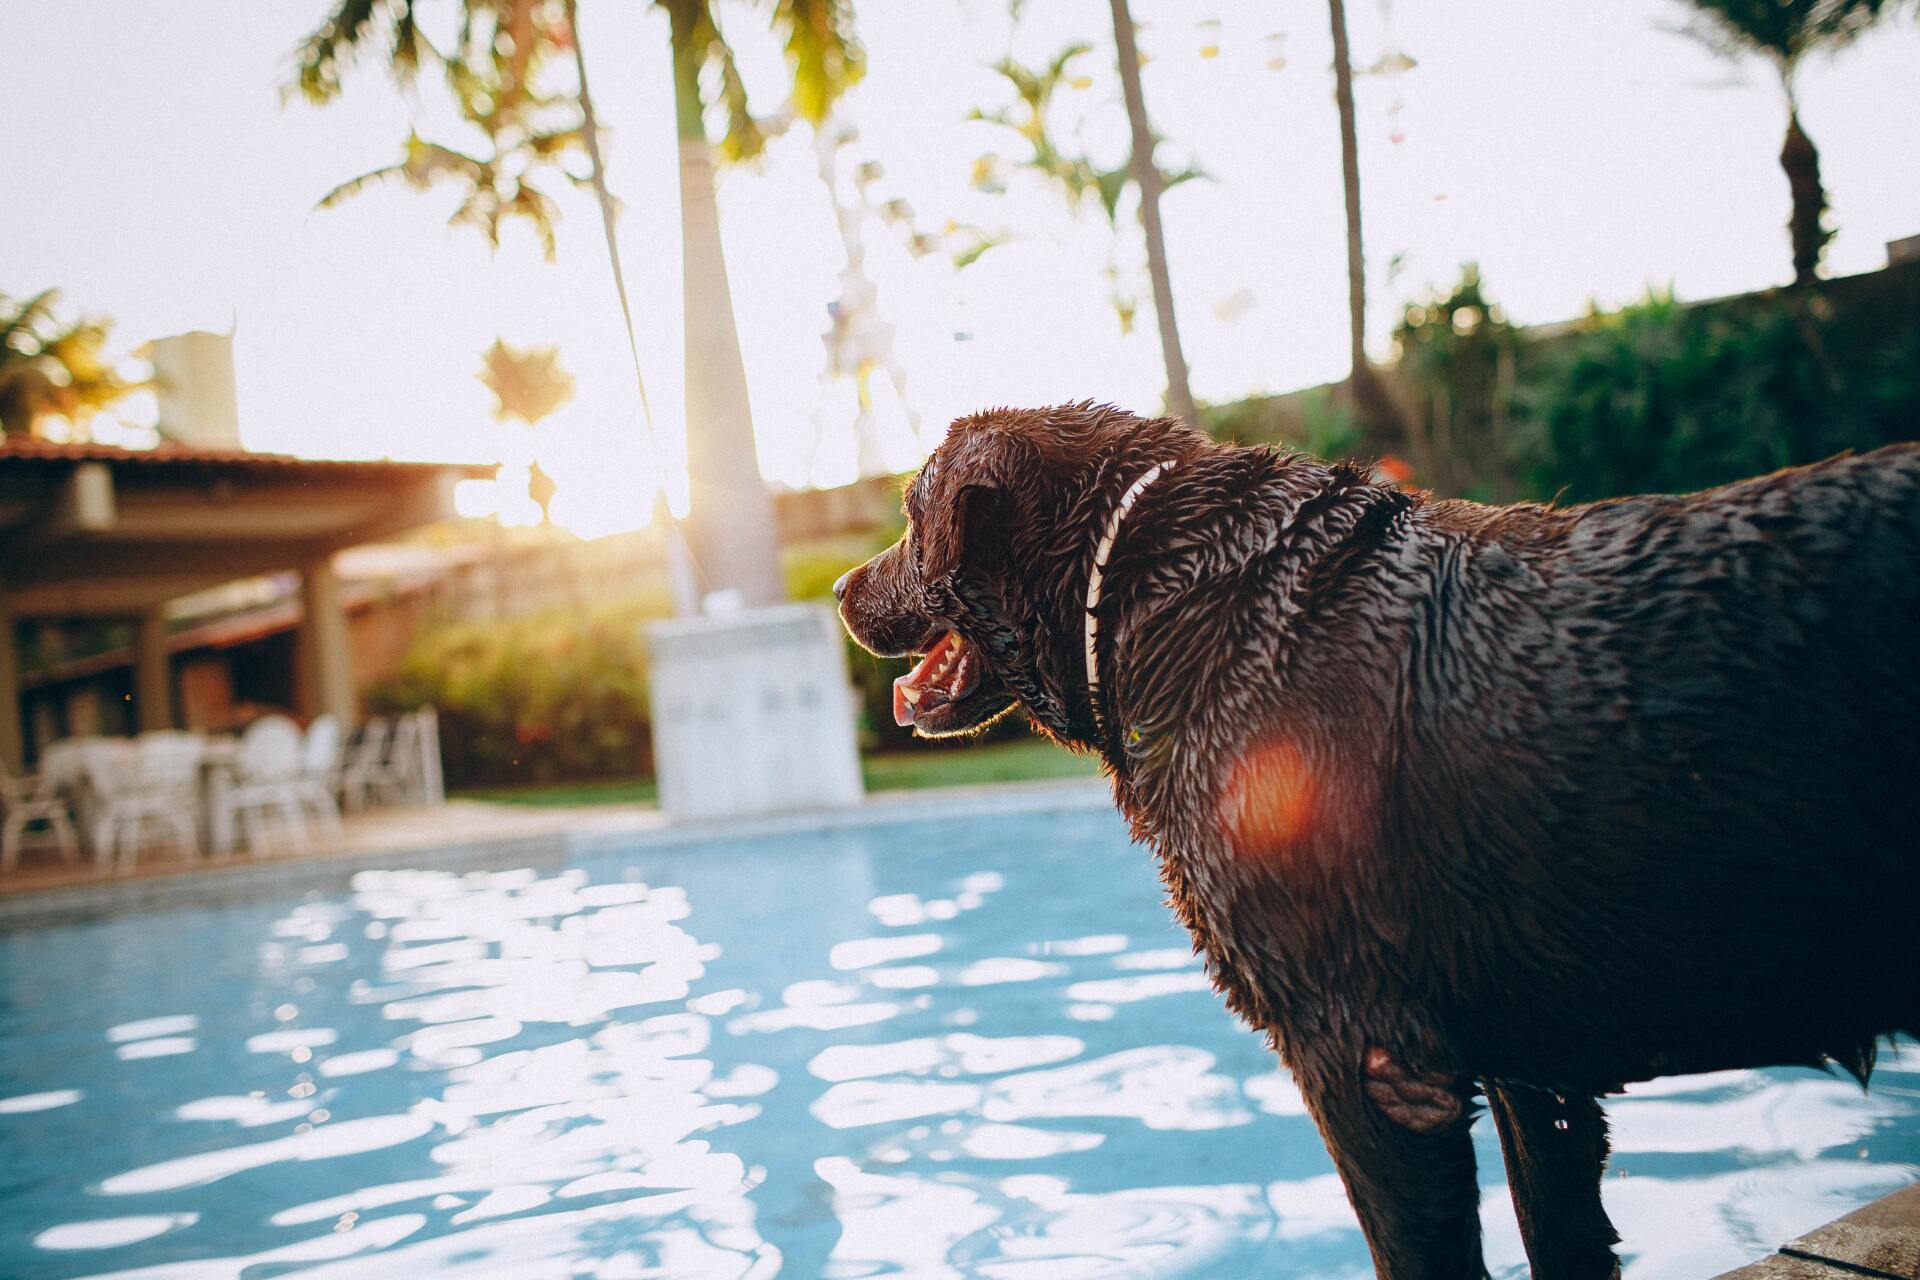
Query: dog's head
[(989, 581)]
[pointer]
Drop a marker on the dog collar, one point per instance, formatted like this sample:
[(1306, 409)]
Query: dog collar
[(1100, 554)]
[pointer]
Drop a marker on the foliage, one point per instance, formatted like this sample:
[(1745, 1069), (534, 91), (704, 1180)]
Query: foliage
[(1075, 175), (1660, 397), (495, 71), (1458, 350), (561, 695), (1655, 397), (53, 368), (498, 70), (555, 695), (1782, 30), (1031, 115), (527, 383), (823, 53), (1315, 421)]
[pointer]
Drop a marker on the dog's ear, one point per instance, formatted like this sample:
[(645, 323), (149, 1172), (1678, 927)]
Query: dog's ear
[(967, 486)]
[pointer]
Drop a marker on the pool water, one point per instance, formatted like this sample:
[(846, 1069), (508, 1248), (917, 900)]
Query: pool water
[(955, 1049)]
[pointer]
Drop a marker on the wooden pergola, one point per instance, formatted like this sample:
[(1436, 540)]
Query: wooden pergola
[(92, 531)]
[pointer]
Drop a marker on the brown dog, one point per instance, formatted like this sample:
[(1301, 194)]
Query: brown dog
[(1453, 798)]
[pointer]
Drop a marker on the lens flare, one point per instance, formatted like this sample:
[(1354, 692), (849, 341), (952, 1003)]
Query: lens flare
[(1267, 807)]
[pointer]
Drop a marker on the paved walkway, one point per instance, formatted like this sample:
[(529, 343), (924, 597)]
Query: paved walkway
[(1880, 1241), (389, 831)]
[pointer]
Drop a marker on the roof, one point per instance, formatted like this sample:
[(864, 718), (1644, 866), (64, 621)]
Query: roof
[(169, 454), (91, 529)]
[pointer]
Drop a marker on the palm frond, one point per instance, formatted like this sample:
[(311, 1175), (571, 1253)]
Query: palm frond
[(1782, 30), (26, 319), (823, 52), (354, 186), (536, 208), (322, 58)]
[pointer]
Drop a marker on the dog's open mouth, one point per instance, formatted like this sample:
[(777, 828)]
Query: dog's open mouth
[(942, 679)]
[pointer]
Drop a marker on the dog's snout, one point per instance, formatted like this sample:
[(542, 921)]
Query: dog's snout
[(841, 583)]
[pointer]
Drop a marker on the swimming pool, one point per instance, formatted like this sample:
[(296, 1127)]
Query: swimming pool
[(926, 1049)]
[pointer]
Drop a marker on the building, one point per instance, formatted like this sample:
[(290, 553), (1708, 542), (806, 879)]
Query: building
[(98, 533)]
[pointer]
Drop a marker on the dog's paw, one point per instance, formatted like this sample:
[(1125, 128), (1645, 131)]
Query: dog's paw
[(1421, 1101)]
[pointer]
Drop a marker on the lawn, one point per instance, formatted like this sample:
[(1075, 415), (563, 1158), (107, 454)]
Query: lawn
[(1025, 760)]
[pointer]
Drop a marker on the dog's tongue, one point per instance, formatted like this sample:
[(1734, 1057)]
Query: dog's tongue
[(943, 677)]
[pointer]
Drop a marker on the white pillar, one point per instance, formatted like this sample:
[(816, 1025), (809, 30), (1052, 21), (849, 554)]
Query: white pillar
[(152, 681), (12, 754), (326, 663)]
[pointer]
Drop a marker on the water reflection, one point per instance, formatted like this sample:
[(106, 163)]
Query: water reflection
[(834, 1056)]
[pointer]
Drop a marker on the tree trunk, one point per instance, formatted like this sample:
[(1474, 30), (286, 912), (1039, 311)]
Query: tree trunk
[(682, 583), (730, 524), (1373, 408), (1146, 175), (1804, 229)]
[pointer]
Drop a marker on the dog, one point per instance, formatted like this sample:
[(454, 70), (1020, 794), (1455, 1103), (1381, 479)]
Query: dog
[(1457, 801)]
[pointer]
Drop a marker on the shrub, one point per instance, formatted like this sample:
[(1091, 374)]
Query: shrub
[(1663, 398), (1458, 356), (560, 694)]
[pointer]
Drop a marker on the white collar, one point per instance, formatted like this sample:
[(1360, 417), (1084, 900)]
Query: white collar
[(1100, 554)]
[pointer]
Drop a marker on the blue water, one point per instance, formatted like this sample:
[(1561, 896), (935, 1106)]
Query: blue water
[(926, 1050)]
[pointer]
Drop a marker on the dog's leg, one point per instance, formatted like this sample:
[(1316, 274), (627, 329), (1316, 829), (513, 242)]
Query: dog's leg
[(1400, 1141), (1555, 1154)]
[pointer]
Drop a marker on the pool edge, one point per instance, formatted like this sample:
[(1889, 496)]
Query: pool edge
[(578, 834)]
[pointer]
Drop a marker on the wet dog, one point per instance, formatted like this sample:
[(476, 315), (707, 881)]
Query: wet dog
[(1457, 800)]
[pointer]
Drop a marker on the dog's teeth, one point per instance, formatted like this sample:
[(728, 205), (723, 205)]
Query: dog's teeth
[(911, 695)]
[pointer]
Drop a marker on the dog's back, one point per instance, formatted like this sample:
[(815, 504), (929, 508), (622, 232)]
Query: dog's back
[(1671, 738)]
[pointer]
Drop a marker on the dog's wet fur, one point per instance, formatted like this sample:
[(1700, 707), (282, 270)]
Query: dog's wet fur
[(1460, 800)]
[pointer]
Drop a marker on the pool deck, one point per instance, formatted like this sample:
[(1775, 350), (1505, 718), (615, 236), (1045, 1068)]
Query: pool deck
[(474, 834), (1882, 1240)]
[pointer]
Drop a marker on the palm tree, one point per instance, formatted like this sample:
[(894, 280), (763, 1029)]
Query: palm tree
[(50, 369), (1077, 177), (1147, 177), (1783, 32), (492, 71), (731, 525), (1373, 409)]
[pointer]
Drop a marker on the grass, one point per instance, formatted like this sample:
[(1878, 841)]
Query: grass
[(1023, 760)]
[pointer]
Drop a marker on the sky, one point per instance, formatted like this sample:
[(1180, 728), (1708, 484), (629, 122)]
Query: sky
[(153, 170)]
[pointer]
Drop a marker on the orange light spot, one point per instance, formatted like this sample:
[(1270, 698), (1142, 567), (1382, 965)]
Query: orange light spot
[(1267, 806)]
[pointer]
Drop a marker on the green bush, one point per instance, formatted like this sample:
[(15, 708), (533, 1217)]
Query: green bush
[(1458, 355), (1664, 398), (561, 695), (551, 696)]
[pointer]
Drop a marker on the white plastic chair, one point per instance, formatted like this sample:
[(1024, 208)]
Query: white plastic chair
[(25, 802), (138, 785), (64, 766), (320, 772), (262, 788), (366, 761)]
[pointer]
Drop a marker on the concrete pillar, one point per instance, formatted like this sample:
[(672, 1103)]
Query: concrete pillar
[(326, 664), (152, 678), (12, 754)]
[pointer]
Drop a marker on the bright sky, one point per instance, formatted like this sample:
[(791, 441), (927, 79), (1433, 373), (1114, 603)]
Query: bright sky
[(1576, 149)]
